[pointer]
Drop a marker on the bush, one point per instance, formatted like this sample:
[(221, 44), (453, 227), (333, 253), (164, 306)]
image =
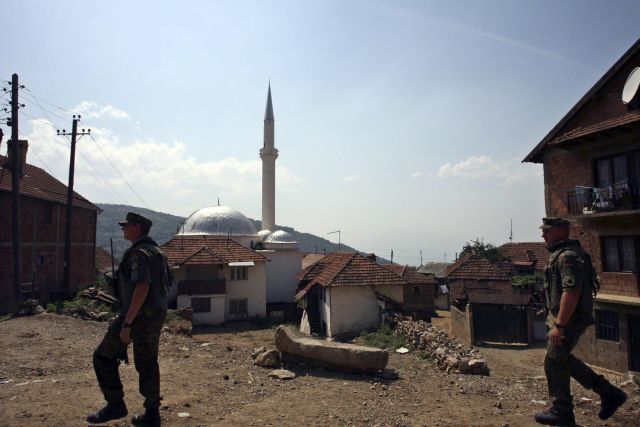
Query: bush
[(384, 337)]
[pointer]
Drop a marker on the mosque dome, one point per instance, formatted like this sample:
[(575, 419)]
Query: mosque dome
[(263, 234), (280, 240), (218, 220)]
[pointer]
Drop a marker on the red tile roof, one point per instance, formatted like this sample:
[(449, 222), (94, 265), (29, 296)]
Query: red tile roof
[(526, 252), (626, 119), (475, 267), (348, 269), (410, 274), (208, 250), (103, 260), (40, 185)]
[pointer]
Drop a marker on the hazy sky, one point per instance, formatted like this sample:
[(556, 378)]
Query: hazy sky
[(401, 123)]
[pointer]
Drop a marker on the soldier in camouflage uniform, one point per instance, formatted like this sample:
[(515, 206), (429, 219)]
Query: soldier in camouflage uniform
[(142, 282), (568, 285)]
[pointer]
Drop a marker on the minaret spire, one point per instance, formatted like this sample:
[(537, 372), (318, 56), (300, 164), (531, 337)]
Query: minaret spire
[(269, 154), (268, 112)]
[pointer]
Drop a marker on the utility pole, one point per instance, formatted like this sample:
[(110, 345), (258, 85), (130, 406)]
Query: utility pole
[(420, 257), (391, 256), (339, 241), (16, 174), (67, 225), (511, 232)]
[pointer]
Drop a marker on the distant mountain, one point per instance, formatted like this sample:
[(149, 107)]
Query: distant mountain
[(166, 225)]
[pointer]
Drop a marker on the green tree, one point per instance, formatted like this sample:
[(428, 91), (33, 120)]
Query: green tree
[(487, 250)]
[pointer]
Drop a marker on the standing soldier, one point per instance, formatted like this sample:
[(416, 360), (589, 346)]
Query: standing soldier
[(569, 285), (143, 280)]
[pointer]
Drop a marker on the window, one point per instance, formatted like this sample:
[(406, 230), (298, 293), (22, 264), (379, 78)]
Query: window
[(238, 306), (607, 325), (416, 290), (40, 260), (615, 169), (239, 273), (201, 305), (619, 253)]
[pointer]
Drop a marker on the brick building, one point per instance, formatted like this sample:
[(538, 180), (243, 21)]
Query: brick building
[(42, 222), (485, 306), (591, 164)]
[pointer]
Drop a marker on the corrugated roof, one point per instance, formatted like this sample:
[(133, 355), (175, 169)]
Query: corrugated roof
[(208, 250), (436, 268), (40, 185)]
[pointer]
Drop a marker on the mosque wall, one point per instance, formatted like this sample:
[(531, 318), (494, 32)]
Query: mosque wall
[(281, 275)]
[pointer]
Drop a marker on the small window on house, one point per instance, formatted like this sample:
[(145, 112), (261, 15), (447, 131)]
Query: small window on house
[(416, 290), (238, 306), (40, 260), (239, 273), (607, 325), (201, 305), (619, 253)]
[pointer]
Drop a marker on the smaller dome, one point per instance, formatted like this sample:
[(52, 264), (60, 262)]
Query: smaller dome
[(280, 240), (263, 234), (280, 236)]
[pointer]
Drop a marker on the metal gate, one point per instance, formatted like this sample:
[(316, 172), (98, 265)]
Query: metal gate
[(500, 323)]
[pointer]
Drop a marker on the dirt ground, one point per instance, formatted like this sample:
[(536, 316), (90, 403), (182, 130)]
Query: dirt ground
[(46, 378)]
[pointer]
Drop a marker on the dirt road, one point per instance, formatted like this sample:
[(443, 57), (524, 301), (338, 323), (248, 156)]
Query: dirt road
[(46, 378)]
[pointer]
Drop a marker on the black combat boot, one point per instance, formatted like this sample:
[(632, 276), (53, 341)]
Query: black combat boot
[(151, 417), (555, 417), (112, 411), (610, 401)]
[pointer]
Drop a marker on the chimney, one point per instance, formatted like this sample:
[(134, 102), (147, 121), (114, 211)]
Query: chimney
[(23, 146), (372, 257)]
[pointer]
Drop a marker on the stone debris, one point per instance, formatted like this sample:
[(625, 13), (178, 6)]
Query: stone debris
[(267, 359), (450, 355), (98, 295), (186, 313), (282, 374), (30, 307)]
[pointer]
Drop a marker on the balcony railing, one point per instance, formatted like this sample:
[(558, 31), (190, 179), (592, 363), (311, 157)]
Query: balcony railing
[(623, 195)]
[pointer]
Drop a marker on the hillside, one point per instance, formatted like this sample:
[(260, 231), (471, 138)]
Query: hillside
[(166, 225)]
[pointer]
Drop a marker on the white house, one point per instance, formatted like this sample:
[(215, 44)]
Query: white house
[(218, 277), (344, 293)]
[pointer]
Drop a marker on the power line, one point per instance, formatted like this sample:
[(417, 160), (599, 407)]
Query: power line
[(47, 102), (88, 162), (36, 99), (116, 169)]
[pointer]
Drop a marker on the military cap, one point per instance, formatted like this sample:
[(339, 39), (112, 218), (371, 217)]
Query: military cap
[(136, 218), (553, 222)]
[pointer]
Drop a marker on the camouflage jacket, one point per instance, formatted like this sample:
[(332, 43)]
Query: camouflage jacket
[(568, 269)]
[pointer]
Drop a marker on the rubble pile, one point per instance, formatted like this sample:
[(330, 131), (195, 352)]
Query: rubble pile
[(449, 354), (98, 295), (87, 313), (30, 307)]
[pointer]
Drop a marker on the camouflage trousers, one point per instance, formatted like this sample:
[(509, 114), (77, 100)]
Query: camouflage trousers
[(560, 365), (145, 336)]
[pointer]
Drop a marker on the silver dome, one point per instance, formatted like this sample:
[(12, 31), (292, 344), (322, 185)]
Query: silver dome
[(218, 220), (280, 236), (263, 234)]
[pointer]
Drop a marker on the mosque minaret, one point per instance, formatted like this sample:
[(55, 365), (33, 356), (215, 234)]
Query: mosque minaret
[(268, 154)]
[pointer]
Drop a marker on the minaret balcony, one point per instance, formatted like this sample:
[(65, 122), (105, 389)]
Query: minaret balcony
[(268, 152)]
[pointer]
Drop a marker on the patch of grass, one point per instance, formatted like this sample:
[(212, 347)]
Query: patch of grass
[(384, 338), (423, 356), (172, 316)]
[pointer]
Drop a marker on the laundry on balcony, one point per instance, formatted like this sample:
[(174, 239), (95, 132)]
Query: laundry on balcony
[(587, 200)]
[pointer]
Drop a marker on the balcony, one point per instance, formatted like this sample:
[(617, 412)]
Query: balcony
[(622, 196), (202, 287)]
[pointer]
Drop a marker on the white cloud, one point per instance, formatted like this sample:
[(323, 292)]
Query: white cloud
[(163, 174), (350, 178), (510, 172), (416, 174), (91, 109)]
